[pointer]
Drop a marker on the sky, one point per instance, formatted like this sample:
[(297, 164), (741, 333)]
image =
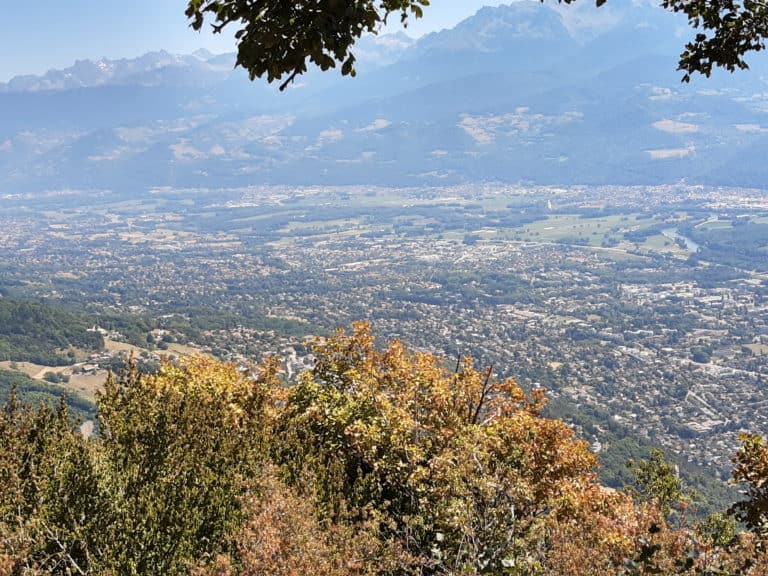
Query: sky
[(45, 34)]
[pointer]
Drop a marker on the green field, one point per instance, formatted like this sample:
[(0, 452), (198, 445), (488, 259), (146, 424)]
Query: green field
[(715, 225), (662, 244), (573, 228)]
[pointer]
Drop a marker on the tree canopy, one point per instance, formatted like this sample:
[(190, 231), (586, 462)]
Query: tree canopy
[(378, 461), (726, 31), (278, 38)]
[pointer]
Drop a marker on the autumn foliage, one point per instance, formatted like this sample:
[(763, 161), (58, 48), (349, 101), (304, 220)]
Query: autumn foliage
[(377, 461)]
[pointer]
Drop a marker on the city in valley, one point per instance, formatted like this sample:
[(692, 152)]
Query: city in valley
[(640, 309)]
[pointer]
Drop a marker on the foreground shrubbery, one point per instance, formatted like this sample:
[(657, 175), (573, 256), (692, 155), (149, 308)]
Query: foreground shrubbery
[(375, 462)]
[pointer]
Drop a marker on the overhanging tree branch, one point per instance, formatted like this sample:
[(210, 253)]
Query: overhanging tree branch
[(277, 38)]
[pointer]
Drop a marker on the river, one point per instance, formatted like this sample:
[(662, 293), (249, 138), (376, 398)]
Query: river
[(673, 234)]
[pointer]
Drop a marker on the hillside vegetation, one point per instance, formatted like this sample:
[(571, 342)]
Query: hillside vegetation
[(39, 333), (378, 461), (35, 392)]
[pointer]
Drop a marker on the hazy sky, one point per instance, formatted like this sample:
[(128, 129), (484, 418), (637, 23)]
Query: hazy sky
[(38, 36)]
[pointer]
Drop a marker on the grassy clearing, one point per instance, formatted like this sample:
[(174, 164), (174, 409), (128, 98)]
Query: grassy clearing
[(322, 226), (495, 203), (260, 217), (86, 385), (83, 385), (456, 236), (173, 348), (662, 244), (715, 225), (587, 231), (758, 349), (157, 236), (114, 346), (29, 368), (182, 349)]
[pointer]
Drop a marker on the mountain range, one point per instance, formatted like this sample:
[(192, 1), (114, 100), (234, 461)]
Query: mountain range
[(522, 93)]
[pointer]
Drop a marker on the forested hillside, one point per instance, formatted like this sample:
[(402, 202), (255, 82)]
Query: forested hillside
[(36, 332)]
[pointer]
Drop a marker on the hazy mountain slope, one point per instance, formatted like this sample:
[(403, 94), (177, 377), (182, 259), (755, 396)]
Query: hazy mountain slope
[(516, 93)]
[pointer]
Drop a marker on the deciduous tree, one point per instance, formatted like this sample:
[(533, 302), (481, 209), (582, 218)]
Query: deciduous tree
[(277, 38)]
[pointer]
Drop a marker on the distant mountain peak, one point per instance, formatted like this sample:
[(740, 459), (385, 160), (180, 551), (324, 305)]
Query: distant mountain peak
[(203, 54), (379, 50), (103, 71), (492, 28)]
